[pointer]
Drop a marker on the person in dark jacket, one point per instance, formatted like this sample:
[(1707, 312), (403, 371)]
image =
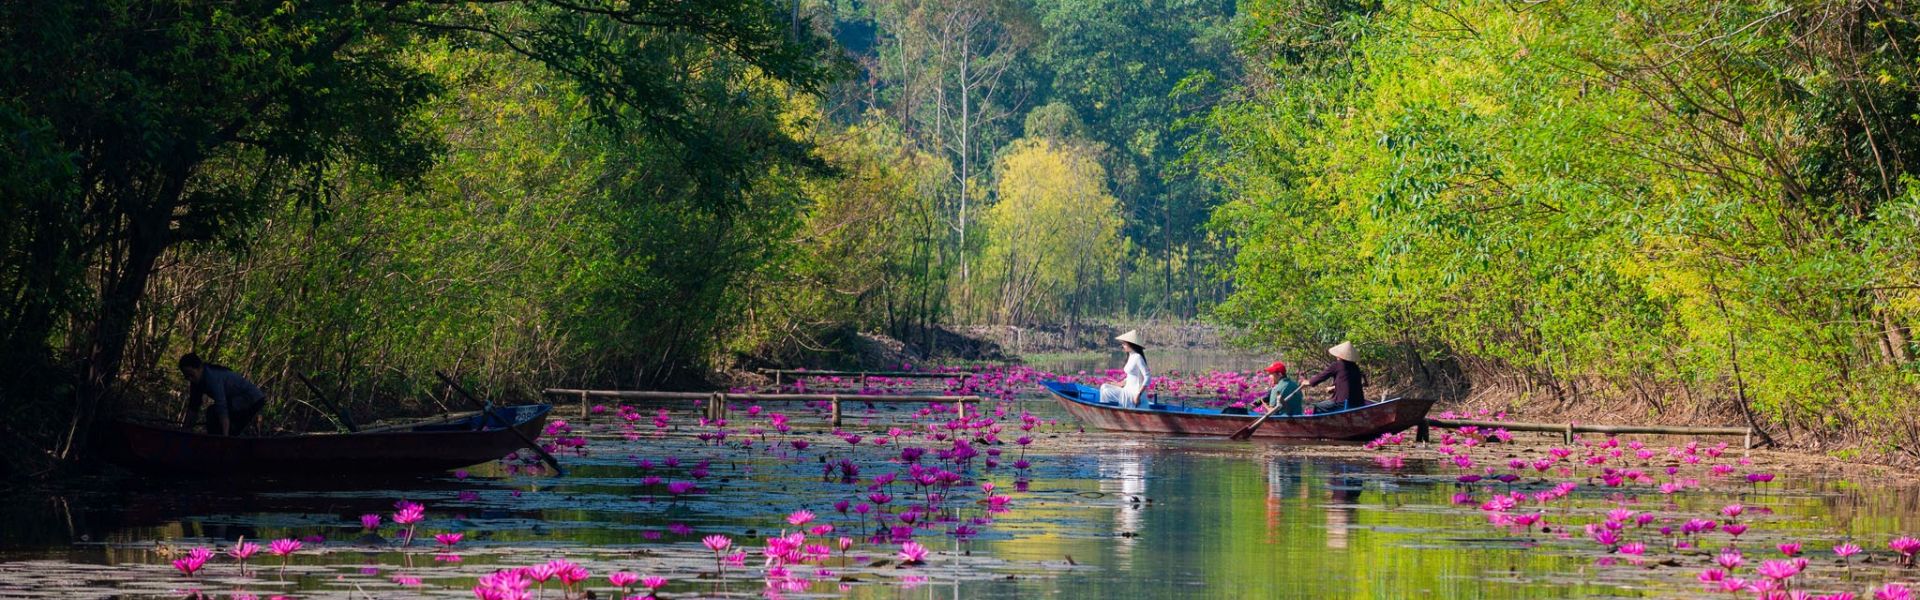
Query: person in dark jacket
[(1348, 382), (236, 401)]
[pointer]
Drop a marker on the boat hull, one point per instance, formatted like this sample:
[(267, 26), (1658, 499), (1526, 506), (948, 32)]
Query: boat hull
[(418, 449), (1360, 424)]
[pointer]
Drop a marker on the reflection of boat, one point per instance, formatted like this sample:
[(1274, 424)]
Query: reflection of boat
[(1363, 423), (418, 448)]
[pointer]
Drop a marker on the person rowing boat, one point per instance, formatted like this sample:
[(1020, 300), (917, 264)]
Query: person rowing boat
[(1286, 393)]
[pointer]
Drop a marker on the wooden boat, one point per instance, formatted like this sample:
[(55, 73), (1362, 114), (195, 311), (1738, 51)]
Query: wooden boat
[(418, 448), (1362, 423)]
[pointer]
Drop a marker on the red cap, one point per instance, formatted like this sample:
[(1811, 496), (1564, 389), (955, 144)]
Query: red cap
[(1277, 368)]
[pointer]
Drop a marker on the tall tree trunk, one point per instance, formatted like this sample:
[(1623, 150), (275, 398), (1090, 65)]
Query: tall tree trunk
[(148, 235)]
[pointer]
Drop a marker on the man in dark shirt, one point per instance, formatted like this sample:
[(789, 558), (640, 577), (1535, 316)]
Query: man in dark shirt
[(236, 401), (1348, 382)]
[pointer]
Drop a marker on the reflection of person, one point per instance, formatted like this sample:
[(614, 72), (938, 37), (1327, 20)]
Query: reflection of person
[(1347, 382), (1341, 491), (1123, 473), (1127, 392), (236, 401), (1286, 392)]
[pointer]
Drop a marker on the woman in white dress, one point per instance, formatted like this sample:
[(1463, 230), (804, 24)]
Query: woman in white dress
[(1127, 393)]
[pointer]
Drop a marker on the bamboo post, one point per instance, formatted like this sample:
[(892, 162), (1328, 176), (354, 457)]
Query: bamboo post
[(1569, 435), (723, 405), (962, 405), (777, 373), (583, 404), (836, 410)]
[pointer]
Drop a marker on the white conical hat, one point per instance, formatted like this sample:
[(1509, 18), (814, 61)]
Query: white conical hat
[(1345, 352), (1133, 336)]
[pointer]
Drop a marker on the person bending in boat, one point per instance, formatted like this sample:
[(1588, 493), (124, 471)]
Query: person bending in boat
[(236, 401), (1347, 382), (1127, 392), (1286, 393)]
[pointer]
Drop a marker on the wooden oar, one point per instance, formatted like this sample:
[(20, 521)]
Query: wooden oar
[(486, 411), (1247, 432), (340, 416)]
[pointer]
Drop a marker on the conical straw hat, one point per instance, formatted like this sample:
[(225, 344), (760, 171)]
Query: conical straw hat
[(1133, 336), (1345, 352)]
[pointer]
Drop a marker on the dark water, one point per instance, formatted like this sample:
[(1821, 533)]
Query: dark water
[(1102, 516)]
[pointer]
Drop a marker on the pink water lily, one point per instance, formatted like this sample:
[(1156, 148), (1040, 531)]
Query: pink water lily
[(1781, 569), (1846, 550), (448, 539), (193, 561), (912, 553), (243, 550), (1893, 591), (622, 579), (800, 517), (1729, 560), (1906, 546)]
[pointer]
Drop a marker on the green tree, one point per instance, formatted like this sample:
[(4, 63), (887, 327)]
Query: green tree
[(183, 122), (1054, 234)]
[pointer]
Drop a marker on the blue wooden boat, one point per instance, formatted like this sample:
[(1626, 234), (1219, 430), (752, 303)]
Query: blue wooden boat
[(1358, 423)]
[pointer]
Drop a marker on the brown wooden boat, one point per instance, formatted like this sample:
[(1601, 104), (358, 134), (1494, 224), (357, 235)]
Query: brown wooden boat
[(418, 448), (1360, 423)]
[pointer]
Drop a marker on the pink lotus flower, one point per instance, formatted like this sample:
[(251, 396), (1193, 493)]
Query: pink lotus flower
[(284, 547), (448, 539), (1847, 549), (653, 582), (193, 561), (507, 584), (1906, 546), (1734, 529), (1712, 576), (370, 521), (717, 543), (912, 553), (1780, 569), (1729, 560), (622, 579), (243, 550), (1633, 548), (1791, 549), (1893, 591), (569, 573), (407, 513), (800, 517), (1732, 511)]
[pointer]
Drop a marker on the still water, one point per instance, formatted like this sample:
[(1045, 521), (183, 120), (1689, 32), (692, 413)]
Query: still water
[(1098, 515)]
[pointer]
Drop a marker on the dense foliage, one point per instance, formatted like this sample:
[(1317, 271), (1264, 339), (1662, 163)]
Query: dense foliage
[(544, 192), (1705, 207)]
